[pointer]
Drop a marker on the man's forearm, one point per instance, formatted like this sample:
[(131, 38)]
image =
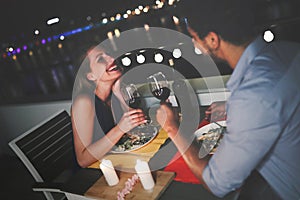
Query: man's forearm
[(189, 153)]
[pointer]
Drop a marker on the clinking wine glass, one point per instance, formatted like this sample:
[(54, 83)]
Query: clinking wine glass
[(132, 97), (159, 86)]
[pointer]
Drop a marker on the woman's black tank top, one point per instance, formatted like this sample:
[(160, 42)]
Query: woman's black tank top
[(104, 116)]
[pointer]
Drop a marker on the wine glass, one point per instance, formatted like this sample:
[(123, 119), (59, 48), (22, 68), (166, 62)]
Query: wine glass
[(131, 96), (133, 99), (159, 86)]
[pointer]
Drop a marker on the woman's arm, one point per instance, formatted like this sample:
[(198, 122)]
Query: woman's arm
[(83, 114)]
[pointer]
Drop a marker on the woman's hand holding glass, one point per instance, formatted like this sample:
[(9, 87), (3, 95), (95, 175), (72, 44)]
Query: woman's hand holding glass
[(132, 98), (131, 119)]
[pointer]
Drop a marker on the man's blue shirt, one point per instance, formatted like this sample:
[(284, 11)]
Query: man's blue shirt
[(263, 122)]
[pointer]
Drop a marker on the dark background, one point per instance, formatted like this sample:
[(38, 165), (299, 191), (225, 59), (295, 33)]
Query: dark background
[(49, 74), (33, 88), (20, 18)]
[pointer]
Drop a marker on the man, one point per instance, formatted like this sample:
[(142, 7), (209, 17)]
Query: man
[(263, 111)]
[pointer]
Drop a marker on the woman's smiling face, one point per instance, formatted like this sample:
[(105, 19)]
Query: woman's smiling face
[(103, 66)]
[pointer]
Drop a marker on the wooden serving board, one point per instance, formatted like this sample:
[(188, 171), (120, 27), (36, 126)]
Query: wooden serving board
[(101, 190)]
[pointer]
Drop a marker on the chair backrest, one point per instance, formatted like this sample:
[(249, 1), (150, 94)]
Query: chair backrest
[(47, 149)]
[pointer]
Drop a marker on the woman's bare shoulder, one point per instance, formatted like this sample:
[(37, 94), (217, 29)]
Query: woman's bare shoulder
[(83, 102)]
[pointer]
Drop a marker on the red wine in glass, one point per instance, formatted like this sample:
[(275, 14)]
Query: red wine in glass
[(159, 86), (134, 102), (162, 93), (132, 98)]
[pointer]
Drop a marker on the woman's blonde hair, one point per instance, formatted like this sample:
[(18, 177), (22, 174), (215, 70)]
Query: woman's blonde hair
[(82, 84)]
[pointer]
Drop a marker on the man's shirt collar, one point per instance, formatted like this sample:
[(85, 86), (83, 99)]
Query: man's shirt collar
[(244, 63)]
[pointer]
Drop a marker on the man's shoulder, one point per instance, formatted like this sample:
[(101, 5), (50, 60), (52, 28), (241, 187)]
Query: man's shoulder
[(259, 81), (278, 53), (268, 69), (287, 43), (273, 62)]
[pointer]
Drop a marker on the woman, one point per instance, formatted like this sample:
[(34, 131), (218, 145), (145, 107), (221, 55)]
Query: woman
[(93, 122)]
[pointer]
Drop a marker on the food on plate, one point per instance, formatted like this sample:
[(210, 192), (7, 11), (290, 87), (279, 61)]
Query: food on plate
[(135, 139), (212, 134), (212, 137)]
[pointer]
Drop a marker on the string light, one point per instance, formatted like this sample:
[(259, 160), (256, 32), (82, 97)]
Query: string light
[(117, 33), (146, 26), (118, 16), (88, 18), (160, 5), (110, 35), (146, 9), (140, 58), (137, 11), (171, 62), (171, 2), (198, 51), (176, 20), (158, 57), (104, 20), (53, 21), (126, 61), (177, 53), (269, 36)]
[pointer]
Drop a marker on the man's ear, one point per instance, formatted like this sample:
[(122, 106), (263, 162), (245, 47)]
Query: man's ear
[(213, 40), (90, 76)]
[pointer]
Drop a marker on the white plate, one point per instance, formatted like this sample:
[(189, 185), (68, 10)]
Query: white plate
[(150, 133), (206, 128)]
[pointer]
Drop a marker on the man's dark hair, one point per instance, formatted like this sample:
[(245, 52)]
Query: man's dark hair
[(234, 20)]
